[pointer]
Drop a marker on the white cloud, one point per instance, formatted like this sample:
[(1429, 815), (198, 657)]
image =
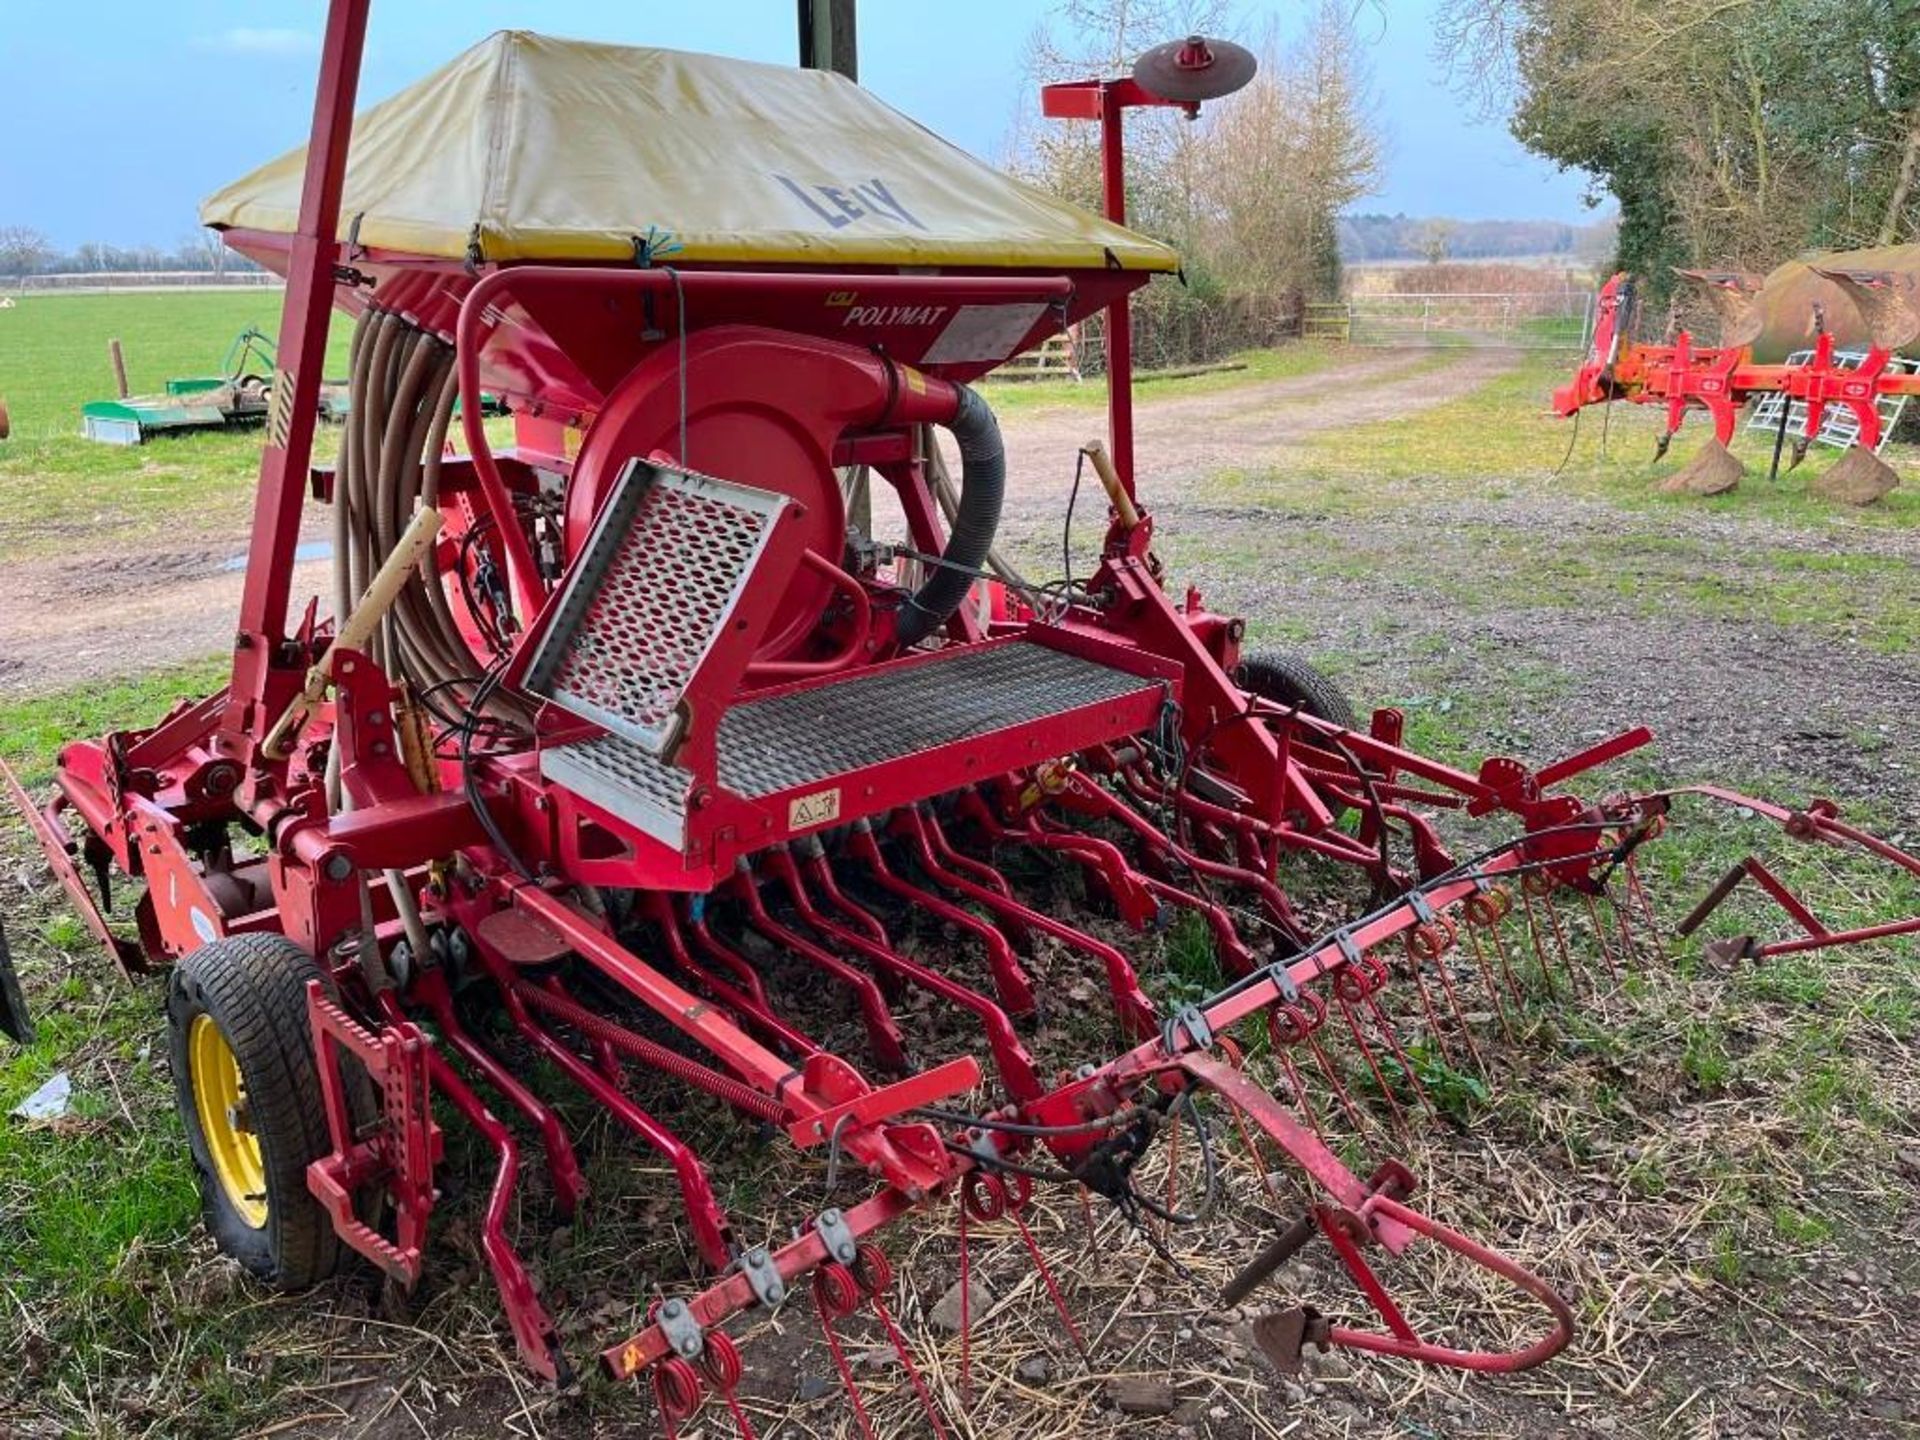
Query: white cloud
[(246, 40)]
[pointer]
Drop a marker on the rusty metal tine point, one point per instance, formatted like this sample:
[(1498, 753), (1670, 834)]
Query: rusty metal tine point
[(1488, 982)]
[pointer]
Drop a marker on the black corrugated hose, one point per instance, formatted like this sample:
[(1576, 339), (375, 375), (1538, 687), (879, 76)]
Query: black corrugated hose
[(983, 485)]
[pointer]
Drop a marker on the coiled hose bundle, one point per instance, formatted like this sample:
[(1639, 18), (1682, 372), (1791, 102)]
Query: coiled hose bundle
[(402, 390)]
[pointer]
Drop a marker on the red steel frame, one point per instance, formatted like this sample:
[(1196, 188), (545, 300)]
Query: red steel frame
[(1720, 380), (1277, 778)]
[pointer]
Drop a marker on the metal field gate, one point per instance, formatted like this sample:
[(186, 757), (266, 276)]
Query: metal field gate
[(1522, 320)]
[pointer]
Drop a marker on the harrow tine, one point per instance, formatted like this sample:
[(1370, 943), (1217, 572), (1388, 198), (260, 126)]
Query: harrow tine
[(875, 1273), (1238, 1060), (966, 1298), (1373, 1064), (1385, 1028), (836, 1295), (1355, 1116), (1487, 980), (1173, 1177), (1447, 938), (1600, 937), (1534, 929), (677, 1392), (1514, 988), (1638, 891), (993, 1198), (1426, 1007), (722, 1357), (1622, 914)]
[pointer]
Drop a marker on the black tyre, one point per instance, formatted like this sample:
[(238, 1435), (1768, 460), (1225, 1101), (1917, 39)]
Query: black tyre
[(247, 1084), (1288, 680)]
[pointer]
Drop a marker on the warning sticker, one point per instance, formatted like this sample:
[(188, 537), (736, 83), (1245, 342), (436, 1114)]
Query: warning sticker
[(984, 332), (820, 808)]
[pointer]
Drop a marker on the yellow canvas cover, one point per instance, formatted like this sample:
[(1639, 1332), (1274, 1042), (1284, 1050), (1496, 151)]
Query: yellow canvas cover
[(532, 148)]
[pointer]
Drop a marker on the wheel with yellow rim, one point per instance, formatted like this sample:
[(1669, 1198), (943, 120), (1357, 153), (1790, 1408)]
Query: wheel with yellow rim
[(248, 1089)]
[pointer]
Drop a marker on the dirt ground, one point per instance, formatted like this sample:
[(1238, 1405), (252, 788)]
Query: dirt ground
[(99, 611), (1721, 1164)]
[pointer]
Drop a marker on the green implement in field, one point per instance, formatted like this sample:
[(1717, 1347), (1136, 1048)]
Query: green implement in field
[(236, 397)]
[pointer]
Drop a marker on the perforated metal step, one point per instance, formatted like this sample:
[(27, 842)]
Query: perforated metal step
[(807, 738), (655, 584)]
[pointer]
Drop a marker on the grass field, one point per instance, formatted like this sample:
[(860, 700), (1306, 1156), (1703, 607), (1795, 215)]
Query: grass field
[(1722, 1162), (53, 359)]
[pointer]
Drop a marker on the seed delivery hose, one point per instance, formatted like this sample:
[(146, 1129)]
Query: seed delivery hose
[(402, 391)]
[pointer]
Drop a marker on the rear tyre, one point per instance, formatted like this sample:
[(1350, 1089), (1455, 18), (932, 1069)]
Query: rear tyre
[(1288, 680), (248, 1089)]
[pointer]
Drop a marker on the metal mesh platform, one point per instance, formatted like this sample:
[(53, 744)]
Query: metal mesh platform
[(809, 737), (654, 586)]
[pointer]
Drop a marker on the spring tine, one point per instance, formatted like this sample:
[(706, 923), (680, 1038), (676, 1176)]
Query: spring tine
[(1173, 1176), (1539, 946), (741, 1424), (824, 1278), (1246, 1136), (1047, 1276), (1548, 904), (1335, 1084), (1373, 1064), (1445, 972), (1506, 961), (1426, 1008), (1282, 1047), (1621, 914), (1383, 1023), (1600, 935), (1487, 980), (1639, 893), (880, 1278), (966, 1302)]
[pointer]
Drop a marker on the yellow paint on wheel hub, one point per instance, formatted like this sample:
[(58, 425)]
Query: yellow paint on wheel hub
[(220, 1097)]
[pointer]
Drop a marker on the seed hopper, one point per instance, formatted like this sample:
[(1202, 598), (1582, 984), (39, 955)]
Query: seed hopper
[(599, 733)]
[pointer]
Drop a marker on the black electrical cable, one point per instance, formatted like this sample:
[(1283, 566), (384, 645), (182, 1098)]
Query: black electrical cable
[(1066, 530), (1016, 1127), (1210, 1167), (1572, 440), (1465, 869), (1012, 1167), (470, 783)]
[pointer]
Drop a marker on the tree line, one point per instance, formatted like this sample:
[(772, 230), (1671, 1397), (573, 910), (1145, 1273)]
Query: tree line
[(1732, 133), (26, 251), (1436, 238)]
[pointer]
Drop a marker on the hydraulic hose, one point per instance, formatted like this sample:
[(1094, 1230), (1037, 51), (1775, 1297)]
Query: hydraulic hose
[(404, 384), (983, 486)]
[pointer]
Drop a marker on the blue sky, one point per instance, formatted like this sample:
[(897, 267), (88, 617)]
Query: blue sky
[(119, 117)]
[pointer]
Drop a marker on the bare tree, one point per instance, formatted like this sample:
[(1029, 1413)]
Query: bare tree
[(1436, 240), (22, 249)]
